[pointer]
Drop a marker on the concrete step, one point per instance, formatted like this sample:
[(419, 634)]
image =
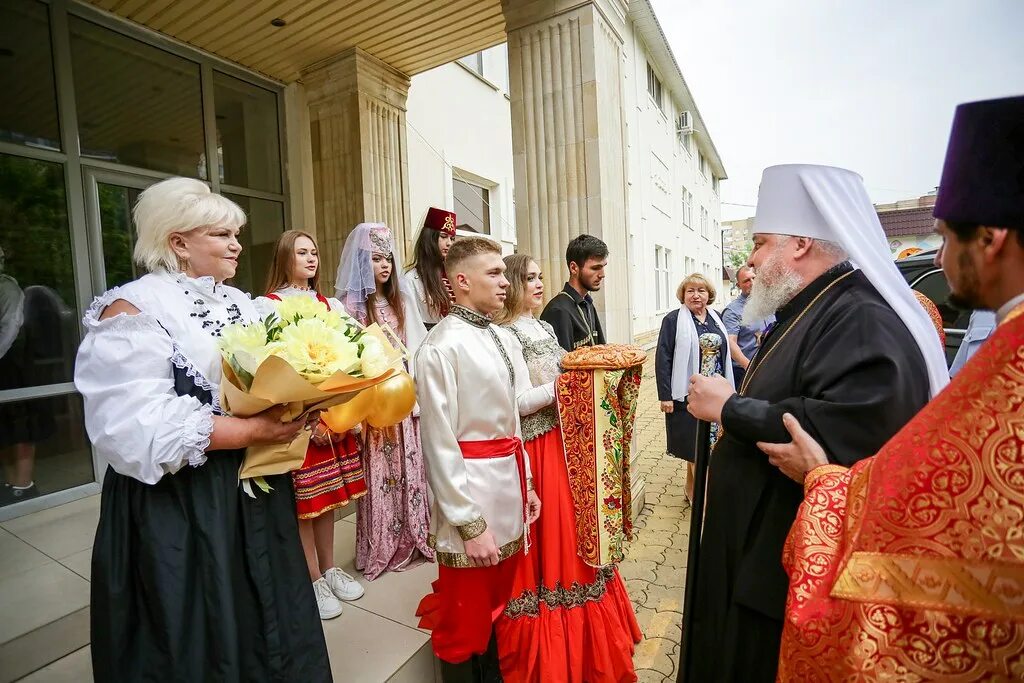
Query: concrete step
[(44, 635)]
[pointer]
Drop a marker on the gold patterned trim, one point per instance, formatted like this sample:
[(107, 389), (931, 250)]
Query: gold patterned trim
[(577, 595), (975, 587), (821, 471), (472, 529), (1014, 312), (333, 506), (470, 316), (461, 560)]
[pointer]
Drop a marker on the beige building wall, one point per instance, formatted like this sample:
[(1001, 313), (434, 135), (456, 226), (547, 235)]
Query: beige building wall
[(674, 206), (459, 126)]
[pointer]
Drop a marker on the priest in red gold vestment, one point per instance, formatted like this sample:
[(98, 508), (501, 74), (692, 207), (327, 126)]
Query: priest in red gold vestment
[(909, 566)]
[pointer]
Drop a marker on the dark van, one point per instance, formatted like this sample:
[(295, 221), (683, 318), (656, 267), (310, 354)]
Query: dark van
[(921, 274)]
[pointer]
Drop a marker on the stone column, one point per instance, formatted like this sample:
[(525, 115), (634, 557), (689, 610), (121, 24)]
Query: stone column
[(568, 145), (566, 82), (359, 149)]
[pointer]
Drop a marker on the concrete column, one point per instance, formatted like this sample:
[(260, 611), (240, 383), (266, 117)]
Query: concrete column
[(360, 161), (568, 146), (568, 138)]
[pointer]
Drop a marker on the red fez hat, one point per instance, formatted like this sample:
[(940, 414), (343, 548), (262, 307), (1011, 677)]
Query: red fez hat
[(440, 220), (983, 177)]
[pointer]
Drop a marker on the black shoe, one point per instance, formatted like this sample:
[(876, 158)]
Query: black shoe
[(463, 672), (487, 663), (12, 494), (477, 669)]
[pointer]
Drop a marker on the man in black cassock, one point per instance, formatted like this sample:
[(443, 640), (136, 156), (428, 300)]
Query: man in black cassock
[(842, 359)]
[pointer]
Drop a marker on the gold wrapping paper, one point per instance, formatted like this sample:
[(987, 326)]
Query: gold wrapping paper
[(277, 383)]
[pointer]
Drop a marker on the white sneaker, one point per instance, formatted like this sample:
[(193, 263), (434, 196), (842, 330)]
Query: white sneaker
[(342, 585), (328, 605)]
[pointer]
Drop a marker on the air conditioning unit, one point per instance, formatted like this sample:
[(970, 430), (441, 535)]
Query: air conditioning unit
[(684, 126)]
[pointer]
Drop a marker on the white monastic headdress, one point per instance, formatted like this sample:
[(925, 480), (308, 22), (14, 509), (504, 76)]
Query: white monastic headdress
[(827, 203)]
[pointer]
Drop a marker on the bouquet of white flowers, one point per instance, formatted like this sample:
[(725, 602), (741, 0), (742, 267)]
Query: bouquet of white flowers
[(305, 357)]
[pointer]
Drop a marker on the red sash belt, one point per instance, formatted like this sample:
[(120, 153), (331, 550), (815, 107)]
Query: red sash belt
[(500, 448)]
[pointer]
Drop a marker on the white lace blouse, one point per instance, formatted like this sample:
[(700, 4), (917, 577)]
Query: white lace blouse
[(543, 357), (535, 337), (134, 418)]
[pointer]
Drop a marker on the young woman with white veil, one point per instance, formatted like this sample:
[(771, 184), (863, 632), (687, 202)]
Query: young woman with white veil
[(393, 522)]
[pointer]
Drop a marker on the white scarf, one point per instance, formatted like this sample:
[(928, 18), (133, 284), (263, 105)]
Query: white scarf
[(686, 356)]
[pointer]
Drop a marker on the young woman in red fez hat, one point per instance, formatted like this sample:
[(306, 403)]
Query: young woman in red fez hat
[(426, 274)]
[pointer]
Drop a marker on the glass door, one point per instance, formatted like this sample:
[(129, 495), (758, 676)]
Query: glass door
[(44, 450), (109, 198)]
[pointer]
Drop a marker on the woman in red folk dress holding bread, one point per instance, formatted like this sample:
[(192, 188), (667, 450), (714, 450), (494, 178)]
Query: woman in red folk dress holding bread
[(566, 620)]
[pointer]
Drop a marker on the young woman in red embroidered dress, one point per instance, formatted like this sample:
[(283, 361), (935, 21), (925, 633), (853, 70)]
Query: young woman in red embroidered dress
[(566, 621), (332, 474)]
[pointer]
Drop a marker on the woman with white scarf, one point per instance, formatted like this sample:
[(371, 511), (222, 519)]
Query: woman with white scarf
[(692, 341)]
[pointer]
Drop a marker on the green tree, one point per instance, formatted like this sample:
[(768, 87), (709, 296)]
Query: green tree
[(34, 231), (739, 257)]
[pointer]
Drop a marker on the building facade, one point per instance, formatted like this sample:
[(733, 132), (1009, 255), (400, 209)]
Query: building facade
[(459, 130), (673, 176), (535, 122), (909, 225), (672, 171), (737, 237), (96, 110)]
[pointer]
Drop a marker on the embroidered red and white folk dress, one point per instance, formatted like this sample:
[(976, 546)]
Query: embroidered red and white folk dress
[(332, 475)]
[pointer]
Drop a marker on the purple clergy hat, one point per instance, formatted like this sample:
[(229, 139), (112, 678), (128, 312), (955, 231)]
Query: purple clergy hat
[(983, 177)]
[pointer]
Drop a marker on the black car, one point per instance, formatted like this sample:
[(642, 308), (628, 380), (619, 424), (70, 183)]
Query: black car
[(922, 274)]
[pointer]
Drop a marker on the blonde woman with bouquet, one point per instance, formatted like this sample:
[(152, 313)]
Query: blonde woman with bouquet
[(394, 517), (191, 578), (332, 474)]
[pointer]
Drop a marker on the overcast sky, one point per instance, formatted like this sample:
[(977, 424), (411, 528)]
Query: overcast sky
[(868, 85)]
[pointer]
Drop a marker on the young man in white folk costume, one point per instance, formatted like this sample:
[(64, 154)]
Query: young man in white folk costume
[(468, 375)]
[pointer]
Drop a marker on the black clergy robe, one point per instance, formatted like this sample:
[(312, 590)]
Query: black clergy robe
[(844, 364)]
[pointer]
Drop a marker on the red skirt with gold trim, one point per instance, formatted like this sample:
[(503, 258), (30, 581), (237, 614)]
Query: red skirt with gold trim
[(329, 478), (566, 620)]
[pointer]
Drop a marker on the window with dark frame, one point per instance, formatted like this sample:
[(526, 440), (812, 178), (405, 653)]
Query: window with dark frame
[(654, 87), (134, 109), (472, 207)]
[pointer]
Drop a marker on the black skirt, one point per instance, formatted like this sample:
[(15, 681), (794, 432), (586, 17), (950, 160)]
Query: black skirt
[(193, 580), (681, 432)]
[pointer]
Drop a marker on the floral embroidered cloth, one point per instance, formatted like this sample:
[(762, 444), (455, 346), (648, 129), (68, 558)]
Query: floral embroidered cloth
[(597, 397), (910, 565)]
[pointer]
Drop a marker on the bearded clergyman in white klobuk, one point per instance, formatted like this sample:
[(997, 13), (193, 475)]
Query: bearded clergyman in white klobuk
[(853, 356)]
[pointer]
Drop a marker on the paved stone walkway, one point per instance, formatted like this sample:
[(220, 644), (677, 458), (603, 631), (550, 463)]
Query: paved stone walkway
[(655, 564)]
